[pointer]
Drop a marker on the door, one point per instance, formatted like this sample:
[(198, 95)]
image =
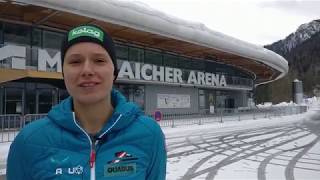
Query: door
[(229, 103)]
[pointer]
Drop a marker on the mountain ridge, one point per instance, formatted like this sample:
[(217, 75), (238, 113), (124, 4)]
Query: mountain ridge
[(302, 51)]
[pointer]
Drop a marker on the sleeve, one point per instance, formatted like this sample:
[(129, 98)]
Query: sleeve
[(157, 169), (15, 162)]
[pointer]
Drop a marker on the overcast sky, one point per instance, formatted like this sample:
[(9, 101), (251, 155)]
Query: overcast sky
[(257, 21)]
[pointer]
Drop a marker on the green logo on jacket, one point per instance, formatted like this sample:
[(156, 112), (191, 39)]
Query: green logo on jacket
[(119, 169)]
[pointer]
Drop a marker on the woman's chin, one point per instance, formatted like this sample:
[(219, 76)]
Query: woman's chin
[(89, 100)]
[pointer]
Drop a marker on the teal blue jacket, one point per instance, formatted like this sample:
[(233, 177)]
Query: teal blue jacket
[(130, 146)]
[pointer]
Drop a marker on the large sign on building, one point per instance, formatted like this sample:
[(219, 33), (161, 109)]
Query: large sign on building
[(15, 57), (149, 72)]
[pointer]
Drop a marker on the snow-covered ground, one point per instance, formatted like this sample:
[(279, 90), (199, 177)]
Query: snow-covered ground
[(265, 149), (4, 149)]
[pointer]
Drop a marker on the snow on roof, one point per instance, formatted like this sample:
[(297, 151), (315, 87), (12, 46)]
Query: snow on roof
[(142, 17)]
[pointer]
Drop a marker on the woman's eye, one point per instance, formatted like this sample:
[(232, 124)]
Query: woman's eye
[(76, 61), (100, 60)]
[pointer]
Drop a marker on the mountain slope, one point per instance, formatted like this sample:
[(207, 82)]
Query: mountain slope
[(302, 50), (303, 33)]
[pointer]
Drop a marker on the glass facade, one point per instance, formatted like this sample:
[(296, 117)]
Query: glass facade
[(122, 51), (31, 38), (35, 38), (134, 93), (136, 54), (1, 33), (13, 100), (52, 40), (31, 102), (1, 100), (31, 98), (217, 98), (16, 34), (132, 53), (153, 57), (170, 60)]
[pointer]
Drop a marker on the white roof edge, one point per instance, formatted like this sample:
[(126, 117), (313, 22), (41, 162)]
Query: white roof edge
[(141, 17)]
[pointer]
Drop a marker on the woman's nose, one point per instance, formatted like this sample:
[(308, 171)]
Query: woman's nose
[(88, 69)]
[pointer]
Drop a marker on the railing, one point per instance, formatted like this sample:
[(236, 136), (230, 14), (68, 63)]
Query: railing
[(223, 114), (10, 125)]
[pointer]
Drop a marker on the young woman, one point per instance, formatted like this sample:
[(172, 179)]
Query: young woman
[(95, 133)]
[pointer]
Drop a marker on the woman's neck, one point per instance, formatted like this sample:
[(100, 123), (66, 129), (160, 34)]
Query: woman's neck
[(94, 116)]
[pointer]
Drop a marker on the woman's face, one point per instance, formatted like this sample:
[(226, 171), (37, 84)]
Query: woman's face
[(88, 73)]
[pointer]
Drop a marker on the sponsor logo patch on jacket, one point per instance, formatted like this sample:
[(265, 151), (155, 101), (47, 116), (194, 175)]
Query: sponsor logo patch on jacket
[(119, 167), (122, 156)]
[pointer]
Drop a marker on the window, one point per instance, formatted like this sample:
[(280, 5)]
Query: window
[(13, 100), (30, 61), (36, 38), (221, 69), (16, 34), (63, 94), (52, 40), (1, 100), (210, 67), (187, 63), (134, 93), (153, 57), (122, 51), (170, 60), (136, 54), (183, 63), (1, 33), (202, 101), (45, 100), (30, 103), (32, 54), (195, 65)]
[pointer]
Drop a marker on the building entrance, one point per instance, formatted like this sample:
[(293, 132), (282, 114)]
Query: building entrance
[(134, 93), (29, 98)]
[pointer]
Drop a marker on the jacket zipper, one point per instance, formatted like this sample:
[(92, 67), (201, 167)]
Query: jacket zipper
[(93, 160), (93, 145)]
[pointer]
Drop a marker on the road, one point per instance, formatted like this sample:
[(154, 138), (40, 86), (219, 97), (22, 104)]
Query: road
[(286, 151)]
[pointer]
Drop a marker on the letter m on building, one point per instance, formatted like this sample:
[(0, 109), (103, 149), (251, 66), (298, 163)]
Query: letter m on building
[(45, 60)]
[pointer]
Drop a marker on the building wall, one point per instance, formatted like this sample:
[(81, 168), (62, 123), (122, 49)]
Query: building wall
[(151, 92)]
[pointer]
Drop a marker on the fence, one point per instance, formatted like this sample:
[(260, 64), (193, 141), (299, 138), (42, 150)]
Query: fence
[(10, 125), (223, 114)]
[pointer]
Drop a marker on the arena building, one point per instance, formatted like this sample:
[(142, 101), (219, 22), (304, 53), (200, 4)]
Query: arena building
[(165, 63)]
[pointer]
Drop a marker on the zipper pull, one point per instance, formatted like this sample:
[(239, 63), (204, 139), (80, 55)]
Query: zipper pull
[(92, 157)]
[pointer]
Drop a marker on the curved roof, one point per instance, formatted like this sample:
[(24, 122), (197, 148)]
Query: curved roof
[(135, 22)]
